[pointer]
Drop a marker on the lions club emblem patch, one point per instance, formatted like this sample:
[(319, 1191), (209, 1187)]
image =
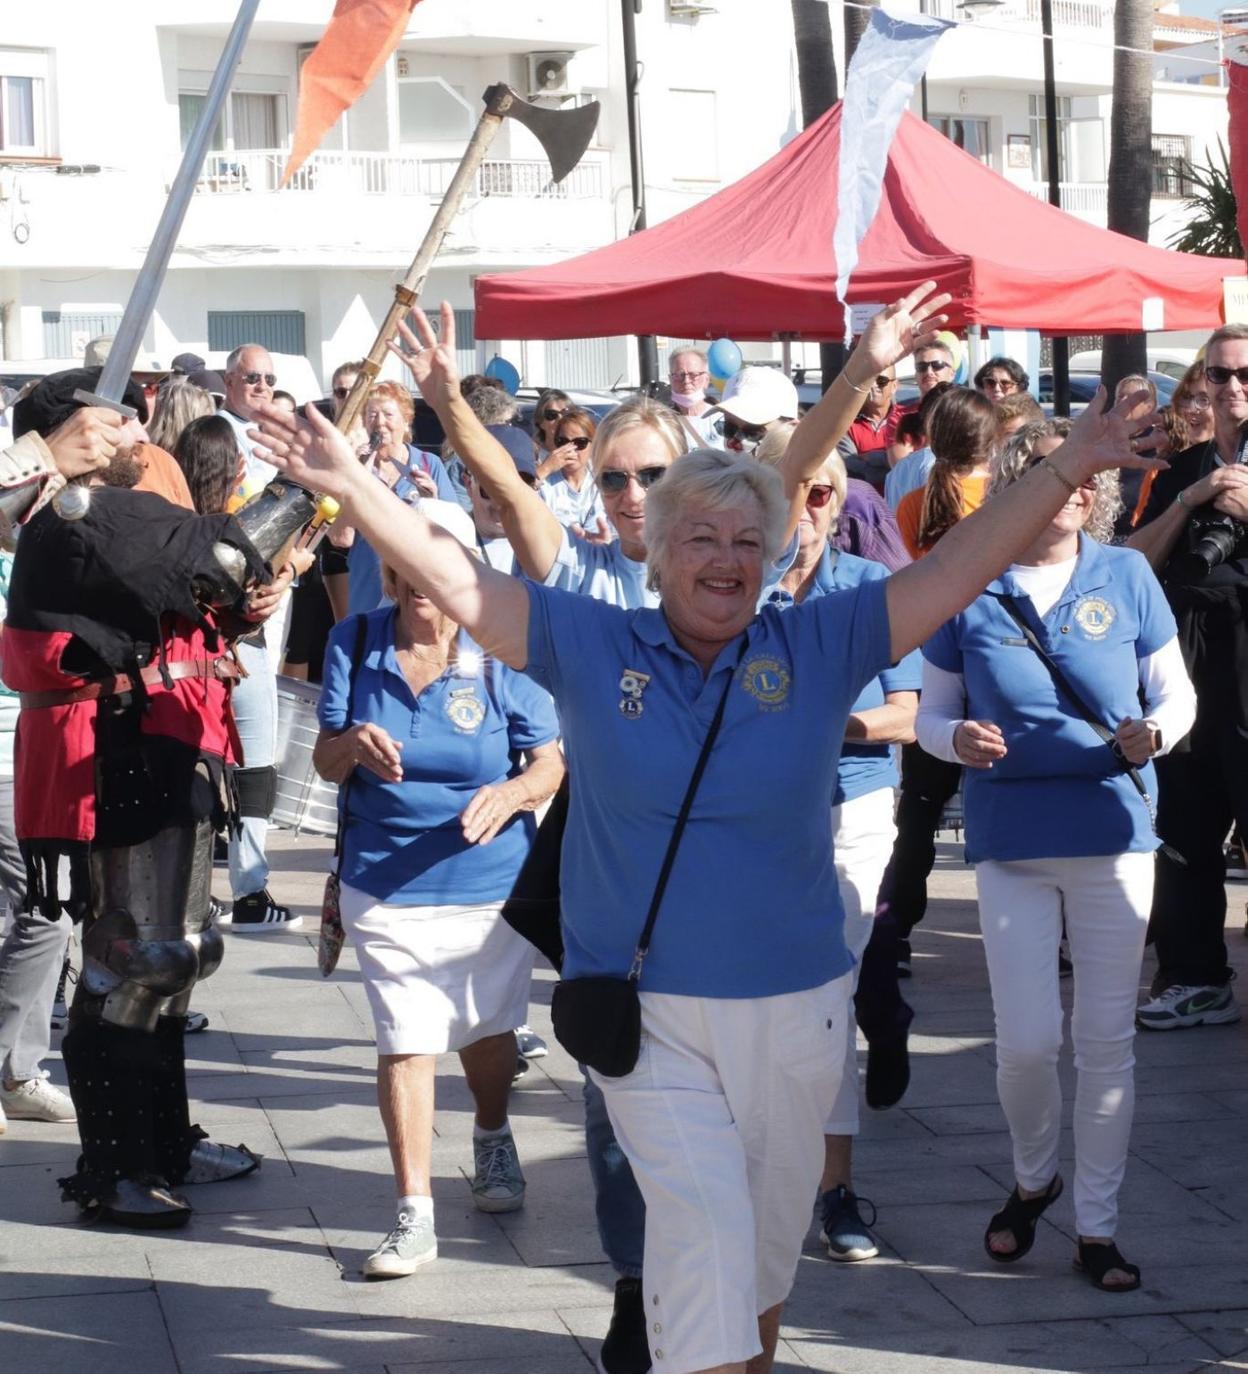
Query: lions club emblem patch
[(1094, 615), (768, 681), (466, 710)]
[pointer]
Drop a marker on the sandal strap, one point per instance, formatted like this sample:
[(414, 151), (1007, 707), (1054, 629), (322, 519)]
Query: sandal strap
[(1098, 1260), (1026, 1211)]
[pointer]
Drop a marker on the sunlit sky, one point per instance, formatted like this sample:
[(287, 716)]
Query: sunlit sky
[(1206, 9)]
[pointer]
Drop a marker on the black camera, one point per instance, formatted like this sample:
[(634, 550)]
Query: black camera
[(1212, 538)]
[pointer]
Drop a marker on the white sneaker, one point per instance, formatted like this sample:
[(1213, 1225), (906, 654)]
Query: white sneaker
[(411, 1244), (1180, 1006), (37, 1100), (498, 1183)]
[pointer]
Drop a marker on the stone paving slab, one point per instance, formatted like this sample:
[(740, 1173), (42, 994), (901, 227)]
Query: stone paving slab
[(266, 1278)]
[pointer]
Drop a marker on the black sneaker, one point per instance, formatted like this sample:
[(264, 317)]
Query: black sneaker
[(259, 914), (624, 1351), (903, 959)]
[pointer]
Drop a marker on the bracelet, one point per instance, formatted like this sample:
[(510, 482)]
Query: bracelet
[(1179, 501), (861, 390), (1059, 474)]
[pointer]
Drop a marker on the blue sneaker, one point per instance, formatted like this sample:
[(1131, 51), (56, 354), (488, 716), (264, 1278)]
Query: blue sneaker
[(844, 1232)]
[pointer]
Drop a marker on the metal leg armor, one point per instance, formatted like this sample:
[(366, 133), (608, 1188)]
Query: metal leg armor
[(147, 941)]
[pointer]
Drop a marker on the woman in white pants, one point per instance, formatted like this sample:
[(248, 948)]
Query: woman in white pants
[(863, 829), (1057, 829)]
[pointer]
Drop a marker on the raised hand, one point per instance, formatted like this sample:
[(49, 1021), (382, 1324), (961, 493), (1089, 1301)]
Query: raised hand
[(1105, 437), (898, 330), (307, 448), (430, 358)]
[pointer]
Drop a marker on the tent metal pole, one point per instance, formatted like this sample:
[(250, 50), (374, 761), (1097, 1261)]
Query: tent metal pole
[(647, 352)]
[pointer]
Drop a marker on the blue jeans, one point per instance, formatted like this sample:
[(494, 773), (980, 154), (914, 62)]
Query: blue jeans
[(618, 1202), (254, 701)]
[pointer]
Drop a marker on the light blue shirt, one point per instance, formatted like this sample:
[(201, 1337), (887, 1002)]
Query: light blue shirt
[(752, 907), (863, 767), (909, 475), (569, 507), (403, 842), (1058, 792)]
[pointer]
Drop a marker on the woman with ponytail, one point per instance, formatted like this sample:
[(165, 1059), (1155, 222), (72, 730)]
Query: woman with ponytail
[(962, 432)]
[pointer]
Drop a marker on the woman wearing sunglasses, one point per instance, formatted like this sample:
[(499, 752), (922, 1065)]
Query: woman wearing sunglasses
[(570, 491), (743, 995), (551, 407), (1057, 831), (862, 810)]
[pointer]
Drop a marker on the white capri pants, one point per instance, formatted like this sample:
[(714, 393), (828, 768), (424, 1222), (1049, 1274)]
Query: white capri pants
[(863, 831), (722, 1122), (1106, 904), (438, 978)]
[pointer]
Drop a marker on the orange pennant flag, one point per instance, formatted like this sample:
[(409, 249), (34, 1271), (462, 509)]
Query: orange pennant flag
[(358, 39)]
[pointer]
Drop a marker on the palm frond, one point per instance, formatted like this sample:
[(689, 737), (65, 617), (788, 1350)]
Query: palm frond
[(1212, 228)]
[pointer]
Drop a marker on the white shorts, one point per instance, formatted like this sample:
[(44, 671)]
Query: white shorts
[(722, 1122), (437, 977)]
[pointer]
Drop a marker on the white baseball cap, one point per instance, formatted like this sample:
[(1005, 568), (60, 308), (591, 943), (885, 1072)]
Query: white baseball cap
[(759, 395), (451, 517)]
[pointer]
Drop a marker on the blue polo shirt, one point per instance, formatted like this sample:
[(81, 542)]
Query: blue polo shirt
[(863, 767), (363, 565), (1059, 792), (752, 908), (403, 842), (605, 573), (909, 475)]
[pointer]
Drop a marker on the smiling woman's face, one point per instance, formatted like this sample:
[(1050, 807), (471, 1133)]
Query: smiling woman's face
[(712, 571)]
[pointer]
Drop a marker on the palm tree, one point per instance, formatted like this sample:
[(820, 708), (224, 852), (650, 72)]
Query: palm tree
[(856, 21), (816, 78), (1212, 227), (1130, 160)]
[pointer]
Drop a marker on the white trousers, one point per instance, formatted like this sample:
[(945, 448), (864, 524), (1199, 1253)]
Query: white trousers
[(722, 1122), (863, 831), (1106, 903)]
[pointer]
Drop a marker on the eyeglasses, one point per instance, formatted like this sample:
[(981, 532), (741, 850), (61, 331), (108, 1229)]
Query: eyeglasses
[(932, 365), (1196, 401), (340, 392), (527, 478), (580, 443), (254, 378), (553, 414), (819, 496), (999, 384), (616, 481), (882, 383), (1219, 376), (688, 376), (748, 434)]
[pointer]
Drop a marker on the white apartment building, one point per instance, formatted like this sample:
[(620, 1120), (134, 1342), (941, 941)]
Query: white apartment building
[(94, 108)]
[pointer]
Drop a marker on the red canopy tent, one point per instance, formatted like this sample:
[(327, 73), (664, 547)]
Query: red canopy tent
[(756, 259)]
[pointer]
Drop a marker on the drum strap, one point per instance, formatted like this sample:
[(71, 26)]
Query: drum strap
[(357, 657)]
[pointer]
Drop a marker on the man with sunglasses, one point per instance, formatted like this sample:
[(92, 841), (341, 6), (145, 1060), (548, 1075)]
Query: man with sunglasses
[(866, 446), (249, 380), (1203, 783), (755, 400)]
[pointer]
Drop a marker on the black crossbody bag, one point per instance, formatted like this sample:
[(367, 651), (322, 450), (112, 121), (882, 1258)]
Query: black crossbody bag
[(1106, 735), (598, 1019)]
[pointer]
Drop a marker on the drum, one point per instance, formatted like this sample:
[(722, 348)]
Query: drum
[(305, 801)]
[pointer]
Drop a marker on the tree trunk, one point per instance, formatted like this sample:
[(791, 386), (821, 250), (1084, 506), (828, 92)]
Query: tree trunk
[(1130, 161), (856, 21), (816, 76)]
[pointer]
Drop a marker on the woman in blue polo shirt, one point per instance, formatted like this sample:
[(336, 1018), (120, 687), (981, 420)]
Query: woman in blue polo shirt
[(863, 829), (425, 738), (1056, 830), (744, 992)]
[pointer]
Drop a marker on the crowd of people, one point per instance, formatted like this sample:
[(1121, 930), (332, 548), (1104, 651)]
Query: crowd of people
[(816, 629)]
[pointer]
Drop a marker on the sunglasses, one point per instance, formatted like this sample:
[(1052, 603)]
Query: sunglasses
[(580, 443), (615, 481), (1219, 376), (553, 414), (935, 365), (881, 383), (748, 434), (341, 393), (688, 376), (527, 478), (1200, 402), (819, 496), (998, 384), (254, 378)]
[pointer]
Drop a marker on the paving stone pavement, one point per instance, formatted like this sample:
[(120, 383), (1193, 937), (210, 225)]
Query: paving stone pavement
[(266, 1277)]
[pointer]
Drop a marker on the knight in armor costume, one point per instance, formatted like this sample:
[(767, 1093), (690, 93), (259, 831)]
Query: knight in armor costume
[(116, 639)]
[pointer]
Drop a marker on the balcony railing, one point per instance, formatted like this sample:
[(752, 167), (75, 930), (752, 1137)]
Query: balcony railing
[(390, 174), (1078, 197), (1067, 14)]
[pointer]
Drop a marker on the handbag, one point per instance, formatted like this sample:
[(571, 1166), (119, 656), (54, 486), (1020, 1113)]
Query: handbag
[(332, 936), (532, 908), (598, 1019), (1103, 732)]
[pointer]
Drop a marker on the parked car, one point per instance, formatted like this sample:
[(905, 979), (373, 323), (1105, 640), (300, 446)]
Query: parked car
[(1083, 387), (1174, 362)]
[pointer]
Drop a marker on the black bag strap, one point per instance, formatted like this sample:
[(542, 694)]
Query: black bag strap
[(1103, 732), (673, 844), (357, 657)]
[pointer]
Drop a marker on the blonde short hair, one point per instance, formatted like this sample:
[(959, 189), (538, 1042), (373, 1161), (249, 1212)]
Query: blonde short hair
[(638, 412), (712, 479)]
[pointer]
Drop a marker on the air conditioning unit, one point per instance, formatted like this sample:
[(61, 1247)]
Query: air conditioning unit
[(548, 73)]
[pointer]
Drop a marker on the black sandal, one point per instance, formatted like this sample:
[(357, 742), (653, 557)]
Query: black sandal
[(1019, 1217), (1098, 1260)]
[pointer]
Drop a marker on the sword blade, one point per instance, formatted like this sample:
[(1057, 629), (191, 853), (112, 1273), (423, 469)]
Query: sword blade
[(129, 338)]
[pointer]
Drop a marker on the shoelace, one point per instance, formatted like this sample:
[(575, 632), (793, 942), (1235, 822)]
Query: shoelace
[(495, 1162)]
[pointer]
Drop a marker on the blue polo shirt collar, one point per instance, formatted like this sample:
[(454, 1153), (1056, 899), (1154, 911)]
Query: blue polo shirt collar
[(653, 629), (1092, 572)]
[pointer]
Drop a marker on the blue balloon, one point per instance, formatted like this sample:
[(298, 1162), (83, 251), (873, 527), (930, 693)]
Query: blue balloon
[(501, 370), (723, 358)]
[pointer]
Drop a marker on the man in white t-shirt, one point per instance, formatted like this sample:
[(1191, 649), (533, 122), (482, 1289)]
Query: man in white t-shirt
[(689, 377), (249, 380)]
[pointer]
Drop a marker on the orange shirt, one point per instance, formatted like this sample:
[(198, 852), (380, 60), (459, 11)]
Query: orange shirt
[(910, 510), (163, 476)]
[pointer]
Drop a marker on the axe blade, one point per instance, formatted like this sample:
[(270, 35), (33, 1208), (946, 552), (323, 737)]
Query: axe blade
[(563, 134)]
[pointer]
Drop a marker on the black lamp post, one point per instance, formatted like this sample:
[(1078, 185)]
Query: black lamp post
[(647, 352)]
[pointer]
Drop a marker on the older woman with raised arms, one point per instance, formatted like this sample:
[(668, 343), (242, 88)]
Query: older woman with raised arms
[(744, 992)]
